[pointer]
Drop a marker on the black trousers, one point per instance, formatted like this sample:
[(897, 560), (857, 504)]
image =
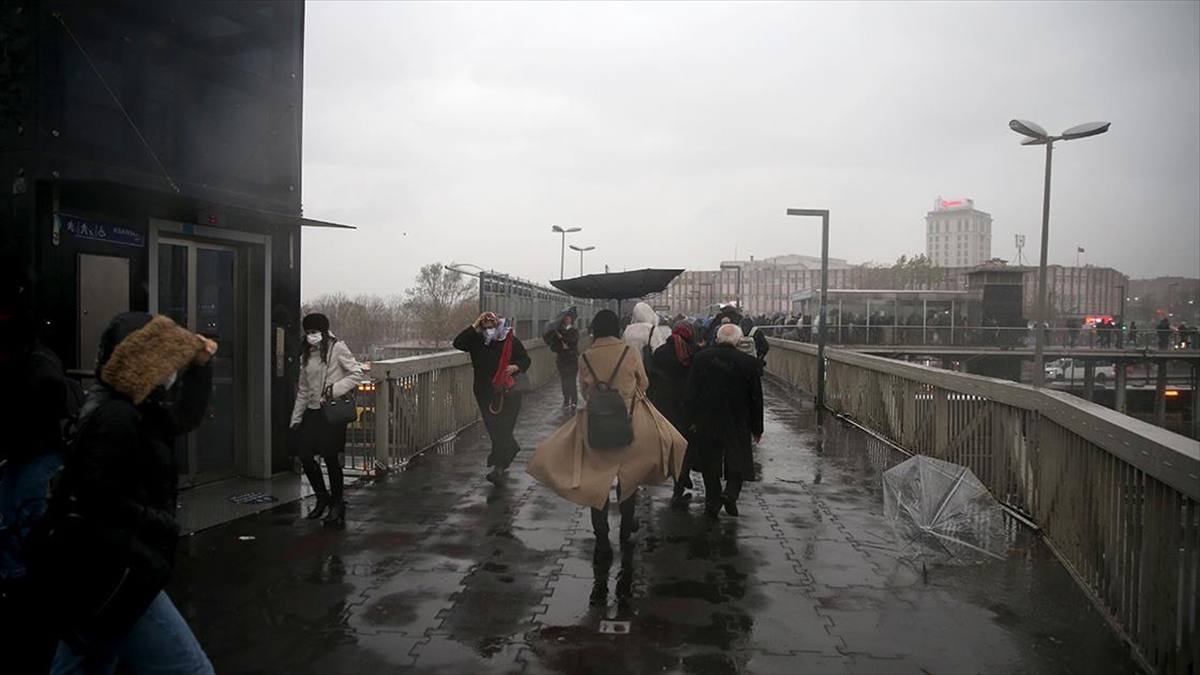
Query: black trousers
[(500, 427), (569, 389), (712, 486), (600, 516), (316, 437)]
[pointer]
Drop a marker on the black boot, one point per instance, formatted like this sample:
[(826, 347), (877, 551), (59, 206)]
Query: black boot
[(319, 507), (337, 514)]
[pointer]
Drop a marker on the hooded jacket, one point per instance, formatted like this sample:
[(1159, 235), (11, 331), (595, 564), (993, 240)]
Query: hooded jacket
[(641, 332), (120, 472), (563, 340)]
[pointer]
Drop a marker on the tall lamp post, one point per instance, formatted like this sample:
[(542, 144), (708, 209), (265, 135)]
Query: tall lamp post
[(1035, 135), (562, 254), (581, 251), (824, 215)]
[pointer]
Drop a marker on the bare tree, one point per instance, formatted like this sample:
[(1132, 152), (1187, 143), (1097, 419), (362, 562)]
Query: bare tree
[(432, 302), (364, 321)]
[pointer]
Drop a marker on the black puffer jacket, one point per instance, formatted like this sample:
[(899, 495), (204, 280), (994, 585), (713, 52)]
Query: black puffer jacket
[(121, 470)]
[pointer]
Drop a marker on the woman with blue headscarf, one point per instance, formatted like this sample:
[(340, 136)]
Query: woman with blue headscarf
[(496, 357)]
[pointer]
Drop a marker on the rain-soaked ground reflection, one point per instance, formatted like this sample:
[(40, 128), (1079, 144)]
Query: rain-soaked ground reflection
[(436, 571)]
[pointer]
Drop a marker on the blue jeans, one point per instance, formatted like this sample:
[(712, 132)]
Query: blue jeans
[(159, 643), (24, 485)]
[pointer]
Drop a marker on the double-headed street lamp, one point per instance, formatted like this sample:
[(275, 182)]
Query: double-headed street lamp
[(824, 215), (581, 252), (563, 249), (1035, 135)]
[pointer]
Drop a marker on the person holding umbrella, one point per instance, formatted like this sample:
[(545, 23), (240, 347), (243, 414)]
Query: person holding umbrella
[(562, 337)]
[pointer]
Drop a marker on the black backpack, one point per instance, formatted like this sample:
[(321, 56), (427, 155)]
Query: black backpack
[(608, 423)]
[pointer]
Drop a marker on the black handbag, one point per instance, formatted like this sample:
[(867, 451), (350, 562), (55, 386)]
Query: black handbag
[(340, 410), (521, 385)]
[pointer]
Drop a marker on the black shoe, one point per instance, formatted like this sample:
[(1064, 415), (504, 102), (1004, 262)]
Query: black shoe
[(336, 515), (319, 507), (495, 476), (730, 505)]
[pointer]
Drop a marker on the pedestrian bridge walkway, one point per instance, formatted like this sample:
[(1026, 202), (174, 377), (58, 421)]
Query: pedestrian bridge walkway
[(437, 571)]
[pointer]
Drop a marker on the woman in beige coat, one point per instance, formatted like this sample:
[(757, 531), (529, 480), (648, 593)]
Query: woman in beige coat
[(567, 464)]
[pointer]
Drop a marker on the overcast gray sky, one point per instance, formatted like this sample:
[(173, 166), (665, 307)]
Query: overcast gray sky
[(672, 132)]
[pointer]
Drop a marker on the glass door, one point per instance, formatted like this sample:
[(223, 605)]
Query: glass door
[(197, 288)]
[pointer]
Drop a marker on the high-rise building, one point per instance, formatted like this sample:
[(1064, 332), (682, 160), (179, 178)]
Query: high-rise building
[(957, 234)]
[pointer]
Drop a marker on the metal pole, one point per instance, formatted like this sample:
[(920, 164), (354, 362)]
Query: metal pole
[(562, 255), (1039, 364), (824, 305), (739, 290), (581, 263)]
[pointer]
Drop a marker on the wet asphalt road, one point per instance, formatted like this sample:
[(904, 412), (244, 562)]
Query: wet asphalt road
[(437, 571)]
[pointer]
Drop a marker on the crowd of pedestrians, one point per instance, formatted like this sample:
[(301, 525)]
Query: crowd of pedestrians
[(646, 403)]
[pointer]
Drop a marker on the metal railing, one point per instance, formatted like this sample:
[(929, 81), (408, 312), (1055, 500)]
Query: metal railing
[(983, 336), (1117, 499), (428, 399)]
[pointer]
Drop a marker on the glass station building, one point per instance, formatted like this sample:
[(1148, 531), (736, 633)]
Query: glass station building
[(150, 157)]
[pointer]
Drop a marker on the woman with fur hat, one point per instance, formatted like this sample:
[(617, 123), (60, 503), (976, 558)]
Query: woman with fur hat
[(110, 535), (330, 371)]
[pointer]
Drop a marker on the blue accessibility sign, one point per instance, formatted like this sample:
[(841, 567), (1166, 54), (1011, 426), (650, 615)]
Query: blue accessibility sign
[(85, 228)]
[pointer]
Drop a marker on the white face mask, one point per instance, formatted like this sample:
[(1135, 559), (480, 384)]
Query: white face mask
[(314, 339), (170, 381), (490, 334)]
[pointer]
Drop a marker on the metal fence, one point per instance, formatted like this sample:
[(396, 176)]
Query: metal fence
[(1117, 499), (531, 305), (428, 399), (982, 336)]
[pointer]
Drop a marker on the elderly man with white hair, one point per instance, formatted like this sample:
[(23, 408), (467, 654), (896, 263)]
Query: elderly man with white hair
[(724, 404)]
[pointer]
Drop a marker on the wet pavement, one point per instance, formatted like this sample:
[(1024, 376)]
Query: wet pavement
[(437, 571)]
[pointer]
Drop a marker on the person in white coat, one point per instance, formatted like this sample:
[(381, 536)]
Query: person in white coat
[(329, 371)]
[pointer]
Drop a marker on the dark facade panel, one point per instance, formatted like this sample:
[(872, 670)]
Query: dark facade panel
[(203, 99)]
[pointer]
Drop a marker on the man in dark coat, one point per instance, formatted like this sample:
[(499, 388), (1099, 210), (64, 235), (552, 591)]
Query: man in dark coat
[(485, 341), (562, 337), (116, 501), (1164, 333), (672, 362), (725, 406)]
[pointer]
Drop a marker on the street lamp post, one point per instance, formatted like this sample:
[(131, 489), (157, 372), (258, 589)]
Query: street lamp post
[(1035, 135), (581, 251), (824, 215), (482, 276), (562, 254)]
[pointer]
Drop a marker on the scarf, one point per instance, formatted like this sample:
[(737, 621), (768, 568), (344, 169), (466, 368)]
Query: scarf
[(684, 347), (501, 331)]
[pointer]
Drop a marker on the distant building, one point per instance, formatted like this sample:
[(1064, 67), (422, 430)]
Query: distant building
[(957, 234)]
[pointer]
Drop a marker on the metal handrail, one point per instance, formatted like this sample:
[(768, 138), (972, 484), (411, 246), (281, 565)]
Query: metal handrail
[(1117, 499)]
